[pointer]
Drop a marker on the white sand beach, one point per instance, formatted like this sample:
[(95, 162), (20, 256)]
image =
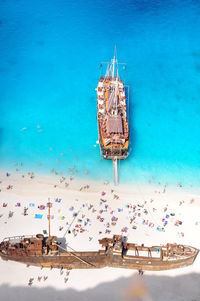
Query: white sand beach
[(152, 214)]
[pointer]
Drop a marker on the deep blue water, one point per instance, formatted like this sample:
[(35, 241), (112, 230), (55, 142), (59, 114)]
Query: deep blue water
[(50, 52)]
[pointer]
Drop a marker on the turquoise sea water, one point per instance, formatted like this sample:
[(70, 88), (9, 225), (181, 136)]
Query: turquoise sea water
[(50, 52)]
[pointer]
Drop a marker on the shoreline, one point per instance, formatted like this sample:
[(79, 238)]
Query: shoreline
[(172, 175), (51, 177), (74, 183)]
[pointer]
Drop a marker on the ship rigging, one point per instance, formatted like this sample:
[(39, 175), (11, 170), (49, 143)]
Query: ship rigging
[(113, 124)]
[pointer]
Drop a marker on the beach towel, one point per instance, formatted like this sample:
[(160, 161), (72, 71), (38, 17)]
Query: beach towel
[(39, 216), (177, 223), (58, 200), (41, 207), (151, 225), (160, 229), (125, 229), (51, 217)]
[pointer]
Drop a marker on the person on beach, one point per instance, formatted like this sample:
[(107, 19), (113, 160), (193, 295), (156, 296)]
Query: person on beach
[(124, 249), (141, 272), (25, 211)]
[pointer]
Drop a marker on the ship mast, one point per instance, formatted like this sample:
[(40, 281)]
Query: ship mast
[(114, 62), (113, 71), (49, 204)]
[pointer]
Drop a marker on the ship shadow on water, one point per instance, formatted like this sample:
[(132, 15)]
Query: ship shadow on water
[(130, 114), (135, 288)]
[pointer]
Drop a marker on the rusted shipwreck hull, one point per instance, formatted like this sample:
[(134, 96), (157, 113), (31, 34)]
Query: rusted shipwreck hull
[(117, 253)]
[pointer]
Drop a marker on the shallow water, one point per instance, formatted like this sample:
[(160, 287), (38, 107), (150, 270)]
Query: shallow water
[(50, 54)]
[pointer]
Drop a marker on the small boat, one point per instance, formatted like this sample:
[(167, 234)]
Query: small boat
[(117, 253)]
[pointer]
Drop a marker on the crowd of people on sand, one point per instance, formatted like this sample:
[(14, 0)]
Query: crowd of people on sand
[(83, 214)]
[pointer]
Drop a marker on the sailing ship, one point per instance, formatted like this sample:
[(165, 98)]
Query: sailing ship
[(113, 126)]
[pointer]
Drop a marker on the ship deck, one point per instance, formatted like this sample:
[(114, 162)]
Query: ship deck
[(113, 130)]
